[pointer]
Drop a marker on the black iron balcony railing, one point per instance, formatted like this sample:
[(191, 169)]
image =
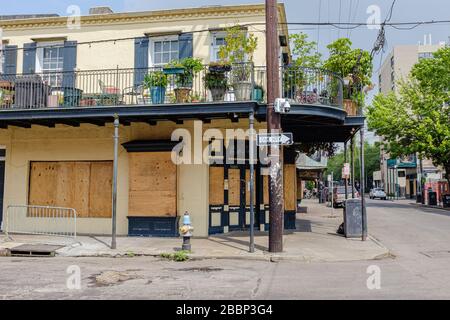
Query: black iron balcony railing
[(157, 86), (312, 86)]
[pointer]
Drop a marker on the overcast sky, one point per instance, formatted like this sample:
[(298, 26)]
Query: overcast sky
[(297, 11)]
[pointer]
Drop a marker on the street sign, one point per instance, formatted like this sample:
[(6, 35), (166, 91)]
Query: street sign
[(285, 139)]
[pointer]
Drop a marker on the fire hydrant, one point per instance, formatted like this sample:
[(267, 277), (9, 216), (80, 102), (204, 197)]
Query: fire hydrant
[(186, 232)]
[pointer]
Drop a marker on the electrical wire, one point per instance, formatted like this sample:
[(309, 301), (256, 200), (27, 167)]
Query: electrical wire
[(337, 25)]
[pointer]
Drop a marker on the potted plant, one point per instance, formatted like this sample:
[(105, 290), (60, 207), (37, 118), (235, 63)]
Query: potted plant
[(216, 81), (156, 82), (238, 51), (195, 98), (184, 80), (355, 67), (258, 93)]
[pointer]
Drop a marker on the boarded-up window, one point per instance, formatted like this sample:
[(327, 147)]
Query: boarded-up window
[(83, 185), (153, 185)]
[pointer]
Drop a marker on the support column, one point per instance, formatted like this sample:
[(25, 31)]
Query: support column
[(352, 164), (114, 186), (362, 187), (345, 178)]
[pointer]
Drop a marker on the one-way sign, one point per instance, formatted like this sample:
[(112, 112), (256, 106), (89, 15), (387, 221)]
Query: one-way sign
[(285, 139)]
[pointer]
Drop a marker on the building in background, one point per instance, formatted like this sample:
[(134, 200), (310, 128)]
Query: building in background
[(396, 67)]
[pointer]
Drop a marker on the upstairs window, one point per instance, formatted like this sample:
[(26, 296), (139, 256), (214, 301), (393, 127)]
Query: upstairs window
[(163, 50), (218, 40), (49, 62)]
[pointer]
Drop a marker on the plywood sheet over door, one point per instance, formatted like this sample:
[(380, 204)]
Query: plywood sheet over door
[(153, 185), (216, 186)]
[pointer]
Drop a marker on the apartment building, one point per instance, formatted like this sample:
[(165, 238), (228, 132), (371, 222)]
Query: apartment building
[(396, 67), (63, 86)]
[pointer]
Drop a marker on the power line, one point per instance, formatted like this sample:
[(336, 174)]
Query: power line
[(338, 25)]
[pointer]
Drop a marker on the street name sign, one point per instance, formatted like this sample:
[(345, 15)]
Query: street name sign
[(285, 139)]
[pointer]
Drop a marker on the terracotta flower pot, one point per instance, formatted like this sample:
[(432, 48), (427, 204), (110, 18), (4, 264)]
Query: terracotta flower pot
[(350, 107), (182, 94)]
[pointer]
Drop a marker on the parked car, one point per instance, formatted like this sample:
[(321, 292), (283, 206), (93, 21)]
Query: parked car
[(377, 193), (339, 195)]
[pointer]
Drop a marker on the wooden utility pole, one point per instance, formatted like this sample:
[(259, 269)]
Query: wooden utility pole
[(276, 191)]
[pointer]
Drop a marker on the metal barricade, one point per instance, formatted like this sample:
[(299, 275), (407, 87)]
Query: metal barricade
[(40, 220)]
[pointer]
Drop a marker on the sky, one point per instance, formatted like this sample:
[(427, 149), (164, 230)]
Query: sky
[(297, 11)]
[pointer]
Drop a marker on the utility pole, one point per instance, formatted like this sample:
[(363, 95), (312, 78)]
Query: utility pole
[(274, 126)]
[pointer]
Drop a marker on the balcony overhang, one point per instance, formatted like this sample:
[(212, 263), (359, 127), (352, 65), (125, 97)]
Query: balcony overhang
[(150, 114), (308, 123)]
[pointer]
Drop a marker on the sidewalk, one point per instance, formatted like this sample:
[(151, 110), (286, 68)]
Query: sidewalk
[(315, 240)]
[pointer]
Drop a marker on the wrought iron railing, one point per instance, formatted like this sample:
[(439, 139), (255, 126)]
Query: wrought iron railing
[(312, 86), (114, 87)]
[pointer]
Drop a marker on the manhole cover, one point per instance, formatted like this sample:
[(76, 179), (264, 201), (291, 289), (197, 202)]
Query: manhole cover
[(34, 250)]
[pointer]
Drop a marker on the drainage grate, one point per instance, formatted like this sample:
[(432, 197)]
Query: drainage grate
[(34, 250), (437, 254)]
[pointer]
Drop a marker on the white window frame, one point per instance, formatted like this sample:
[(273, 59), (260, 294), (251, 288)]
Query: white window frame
[(151, 48), (214, 48), (40, 53)]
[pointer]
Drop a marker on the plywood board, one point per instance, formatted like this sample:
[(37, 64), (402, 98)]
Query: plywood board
[(266, 189), (153, 185), (290, 187), (79, 195), (43, 178), (216, 186), (234, 184), (156, 204), (71, 184), (100, 190)]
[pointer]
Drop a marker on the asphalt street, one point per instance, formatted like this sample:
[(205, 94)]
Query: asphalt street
[(418, 238)]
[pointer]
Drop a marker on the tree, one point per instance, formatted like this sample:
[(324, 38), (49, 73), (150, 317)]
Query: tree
[(417, 119), (304, 51), (355, 64), (371, 163)]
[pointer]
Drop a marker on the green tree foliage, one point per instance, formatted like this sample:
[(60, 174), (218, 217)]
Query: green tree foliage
[(355, 64), (304, 51), (344, 61), (240, 46), (372, 162), (417, 119)]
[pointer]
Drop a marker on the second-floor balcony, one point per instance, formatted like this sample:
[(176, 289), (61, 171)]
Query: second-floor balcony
[(164, 87)]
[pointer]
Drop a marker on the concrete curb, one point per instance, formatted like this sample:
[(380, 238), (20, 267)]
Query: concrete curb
[(265, 257), (419, 205)]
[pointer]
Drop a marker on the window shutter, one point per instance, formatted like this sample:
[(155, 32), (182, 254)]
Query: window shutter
[(29, 58), (141, 46), (69, 63), (10, 61), (186, 45)]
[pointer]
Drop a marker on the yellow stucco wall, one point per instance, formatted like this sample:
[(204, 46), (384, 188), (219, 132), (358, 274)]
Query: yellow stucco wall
[(121, 53), (90, 143)]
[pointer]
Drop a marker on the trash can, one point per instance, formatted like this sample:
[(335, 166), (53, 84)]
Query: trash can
[(353, 218), (446, 200), (419, 198), (31, 92), (432, 198)]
